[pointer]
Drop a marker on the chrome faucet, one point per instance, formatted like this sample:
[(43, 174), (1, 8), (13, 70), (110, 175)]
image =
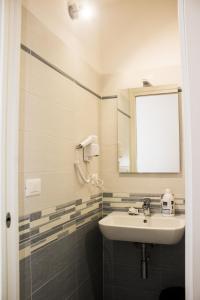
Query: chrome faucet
[(147, 206)]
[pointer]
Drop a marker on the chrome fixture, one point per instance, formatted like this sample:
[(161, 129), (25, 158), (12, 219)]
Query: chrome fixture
[(146, 83), (144, 262), (73, 9), (78, 9), (147, 206)]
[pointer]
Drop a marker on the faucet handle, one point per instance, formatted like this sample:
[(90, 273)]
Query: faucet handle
[(147, 202)]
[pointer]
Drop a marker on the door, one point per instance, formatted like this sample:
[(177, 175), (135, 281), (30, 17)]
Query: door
[(9, 90)]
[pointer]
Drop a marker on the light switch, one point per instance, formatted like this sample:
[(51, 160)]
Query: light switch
[(33, 187)]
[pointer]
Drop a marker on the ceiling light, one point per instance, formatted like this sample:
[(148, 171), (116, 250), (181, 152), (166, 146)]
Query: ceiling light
[(86, 12), (77, 10), (73, 9)]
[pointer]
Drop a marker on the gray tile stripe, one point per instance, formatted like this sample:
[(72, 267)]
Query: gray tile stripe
[(110, 209), (109, 97), (96, 196), (55, 68), (24, 237), (94, 218), (34, 231), (58, 229), (76, 214), (39, 242), (79, 202), (136, 199), (135, 195), (109, 195), (26, 49), (24, 218), (24, 227), (63, 225), (110, 205), (61, 72), (68, 224), (66, 205), (144, 195), (154, 209), (91, 202), (53, 217), (46, 234), (35, 216), (122, 112), (87, 215), (63, 234), (34, 237), (61, 213), (24, 245)]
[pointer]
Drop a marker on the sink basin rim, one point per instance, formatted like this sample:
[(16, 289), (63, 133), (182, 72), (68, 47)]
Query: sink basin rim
[(157, 216), (142, 232)]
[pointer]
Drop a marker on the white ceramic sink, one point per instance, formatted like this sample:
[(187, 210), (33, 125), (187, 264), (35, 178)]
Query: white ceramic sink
[(158, 229)]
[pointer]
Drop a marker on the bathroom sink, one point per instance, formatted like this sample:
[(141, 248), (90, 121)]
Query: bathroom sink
[(154, 229)]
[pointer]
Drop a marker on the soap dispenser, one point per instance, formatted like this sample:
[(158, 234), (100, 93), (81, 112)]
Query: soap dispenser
[(167, 203)]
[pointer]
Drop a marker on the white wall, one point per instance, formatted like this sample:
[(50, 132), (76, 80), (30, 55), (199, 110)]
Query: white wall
[(144, 43), (190, 24), (139, 39), (53, 117), (81, 36)]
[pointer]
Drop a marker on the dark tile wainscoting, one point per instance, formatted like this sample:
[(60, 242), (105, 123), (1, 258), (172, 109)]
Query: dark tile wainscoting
[(122, 270), (70, 265)]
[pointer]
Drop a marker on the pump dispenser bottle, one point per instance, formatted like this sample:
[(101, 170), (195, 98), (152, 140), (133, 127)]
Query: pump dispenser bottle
[(167, 203)]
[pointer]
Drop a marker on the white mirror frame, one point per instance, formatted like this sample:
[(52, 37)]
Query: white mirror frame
[(134, 93)]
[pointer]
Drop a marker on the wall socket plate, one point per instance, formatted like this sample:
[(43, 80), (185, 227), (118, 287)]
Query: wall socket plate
[(33, 187)]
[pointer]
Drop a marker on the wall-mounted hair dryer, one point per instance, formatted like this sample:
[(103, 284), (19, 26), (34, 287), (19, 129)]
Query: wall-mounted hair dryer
[(90, 147)]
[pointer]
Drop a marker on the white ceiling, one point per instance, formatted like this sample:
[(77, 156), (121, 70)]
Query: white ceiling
[(123, 33)]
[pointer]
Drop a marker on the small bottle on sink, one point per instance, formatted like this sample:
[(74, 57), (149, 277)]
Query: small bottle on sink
[(167, 204)]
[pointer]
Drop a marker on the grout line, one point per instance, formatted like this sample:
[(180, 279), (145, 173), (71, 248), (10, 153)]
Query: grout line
[(55, 68), (61, 72), (109, 97), (125, 114)]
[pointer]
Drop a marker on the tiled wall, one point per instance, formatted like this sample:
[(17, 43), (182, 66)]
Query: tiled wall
[(123, 201), (57, 94), (61, 252), (60, 243), (122, 270)]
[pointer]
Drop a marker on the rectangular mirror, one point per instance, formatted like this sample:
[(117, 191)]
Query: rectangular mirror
[(148, 130)]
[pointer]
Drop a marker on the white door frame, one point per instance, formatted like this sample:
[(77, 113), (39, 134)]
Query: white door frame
[(189, 12), (188, 152), (10, 31)]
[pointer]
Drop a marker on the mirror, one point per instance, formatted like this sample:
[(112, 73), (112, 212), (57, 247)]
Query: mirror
[(148, 130)]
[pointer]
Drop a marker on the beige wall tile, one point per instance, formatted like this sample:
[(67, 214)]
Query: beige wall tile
[(53, 119), (36, 36), (57, 188), (108, 113)]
